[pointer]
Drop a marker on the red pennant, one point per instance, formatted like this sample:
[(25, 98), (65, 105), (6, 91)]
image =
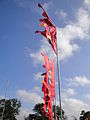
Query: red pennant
[(48, 86), (50, 30)]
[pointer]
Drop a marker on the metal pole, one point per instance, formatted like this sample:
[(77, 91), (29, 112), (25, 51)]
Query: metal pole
[(55, 103), (59, 82), (4, 101)]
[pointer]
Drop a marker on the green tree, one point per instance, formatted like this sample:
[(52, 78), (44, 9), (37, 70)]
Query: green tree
[(11, 108), (38, 113), (85, 115), (57, 112)]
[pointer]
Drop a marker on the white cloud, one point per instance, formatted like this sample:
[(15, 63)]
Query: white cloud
[(24, 112), (83, 20), (78, 81), (87, 2), (32, 98), (36, 89), (64, 39), (29, 97), (70, 104), (2, 97), (65, 44), (82, 80), (37, 76), (61, 14), (74, 106), (23, 3), (68, 93), (46, 6)]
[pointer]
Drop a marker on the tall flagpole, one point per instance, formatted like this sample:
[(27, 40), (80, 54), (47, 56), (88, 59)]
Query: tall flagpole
[(55, 102), (59, 82), (4, 101)]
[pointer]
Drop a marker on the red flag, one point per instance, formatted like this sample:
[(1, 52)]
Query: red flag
[(48, 87), (47, 109), (50, 30), (49, 77)]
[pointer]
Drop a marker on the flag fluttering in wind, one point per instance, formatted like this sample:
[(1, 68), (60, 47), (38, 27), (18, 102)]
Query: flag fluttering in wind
[(50, 30), (47, 108), (49, 76), (48, 87)]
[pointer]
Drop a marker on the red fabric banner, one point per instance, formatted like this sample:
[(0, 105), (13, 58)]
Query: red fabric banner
[(48, 87), (50, 30)]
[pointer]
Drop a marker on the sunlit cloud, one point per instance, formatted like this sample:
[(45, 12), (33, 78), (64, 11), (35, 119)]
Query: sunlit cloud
[(61, 14), (37, 76), (68, 93), (73, 107), (23, 3), (24, 112), (29, 97), (78, 81), (36, 89)]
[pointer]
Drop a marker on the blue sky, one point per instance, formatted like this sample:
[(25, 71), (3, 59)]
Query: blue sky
[(21, 61)]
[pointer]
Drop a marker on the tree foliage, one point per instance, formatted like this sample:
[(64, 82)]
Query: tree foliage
[(38, 113), (85, 115), (11, 108)]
